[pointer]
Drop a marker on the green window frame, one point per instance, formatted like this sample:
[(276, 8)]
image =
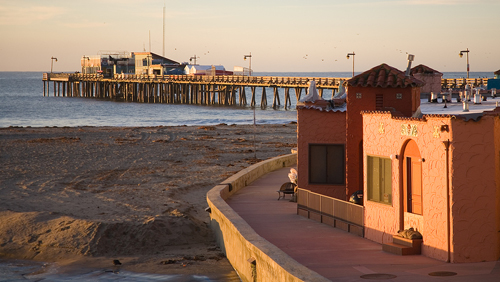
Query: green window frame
[(379, 179), (327, 164)]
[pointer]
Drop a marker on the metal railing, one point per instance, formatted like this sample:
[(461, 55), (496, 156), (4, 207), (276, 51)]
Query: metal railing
[(328, 206), (321, 82)]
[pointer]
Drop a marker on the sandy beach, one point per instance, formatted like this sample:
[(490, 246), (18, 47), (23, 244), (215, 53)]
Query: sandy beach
[(85, 196)]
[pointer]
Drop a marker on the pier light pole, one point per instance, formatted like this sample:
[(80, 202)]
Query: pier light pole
[(193, 58), (461, 54), (351, 54), (52, 63), (250, 64)]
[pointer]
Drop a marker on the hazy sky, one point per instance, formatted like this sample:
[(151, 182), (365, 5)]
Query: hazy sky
[(288, 35)]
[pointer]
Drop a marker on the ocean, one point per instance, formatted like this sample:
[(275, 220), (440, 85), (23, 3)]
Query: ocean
[(22, 104)]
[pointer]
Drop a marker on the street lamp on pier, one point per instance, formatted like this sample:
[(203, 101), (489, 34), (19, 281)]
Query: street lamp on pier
[(250, 64), (351, 54), (193, 58), (52, 63), (461, 54)]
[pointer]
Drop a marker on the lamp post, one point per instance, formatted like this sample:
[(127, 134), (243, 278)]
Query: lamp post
[(250, 65), (52, 63), (351, 54), (461, 54), (193, 58)]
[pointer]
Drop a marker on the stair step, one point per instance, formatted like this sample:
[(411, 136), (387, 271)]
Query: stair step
[(398, 249), (406, 242)]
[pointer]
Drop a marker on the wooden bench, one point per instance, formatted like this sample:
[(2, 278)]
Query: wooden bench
[(286, 188)]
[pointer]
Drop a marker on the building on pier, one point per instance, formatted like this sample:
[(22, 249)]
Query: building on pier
[(208, 70), (108, 63), (237, 70), (150, 63), (434, 167), (495, 82)]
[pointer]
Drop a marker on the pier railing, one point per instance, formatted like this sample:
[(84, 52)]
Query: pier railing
[(321, 82), (203, 89), (462, 82)]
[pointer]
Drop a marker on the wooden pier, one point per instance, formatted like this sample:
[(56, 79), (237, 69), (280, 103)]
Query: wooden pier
[(200, 89), (186, 89), (460, 83)]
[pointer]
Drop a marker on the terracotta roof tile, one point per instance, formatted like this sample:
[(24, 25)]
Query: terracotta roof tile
[(424, 69), (384, 76), (340, 108), (396, 116)]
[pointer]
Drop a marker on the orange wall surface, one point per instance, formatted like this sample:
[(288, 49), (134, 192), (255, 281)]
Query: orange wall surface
[(474, 190), (318, 127), (497, 173), (382, 221), (474, 210), (367, 102)]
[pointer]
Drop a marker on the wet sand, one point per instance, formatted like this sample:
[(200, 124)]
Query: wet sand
[(86, 196)]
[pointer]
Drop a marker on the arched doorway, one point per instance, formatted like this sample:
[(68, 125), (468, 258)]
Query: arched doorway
[(412, 179)]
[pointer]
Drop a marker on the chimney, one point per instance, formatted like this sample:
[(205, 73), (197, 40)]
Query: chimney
[(410, 59)]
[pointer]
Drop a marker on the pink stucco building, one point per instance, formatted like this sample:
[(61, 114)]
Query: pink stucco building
[(419, 165)]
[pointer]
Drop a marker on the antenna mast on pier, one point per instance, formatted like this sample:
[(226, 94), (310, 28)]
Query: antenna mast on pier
[(163, 54)]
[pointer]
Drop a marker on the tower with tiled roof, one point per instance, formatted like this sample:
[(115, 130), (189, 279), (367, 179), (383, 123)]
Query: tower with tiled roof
[(431, 78), (380, 88)]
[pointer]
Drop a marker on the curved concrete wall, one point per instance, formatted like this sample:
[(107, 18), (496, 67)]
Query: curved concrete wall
[(253, 257)]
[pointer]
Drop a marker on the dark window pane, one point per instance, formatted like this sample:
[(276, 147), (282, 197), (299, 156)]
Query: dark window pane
[(317, 168), (335, 164), (326, 164)]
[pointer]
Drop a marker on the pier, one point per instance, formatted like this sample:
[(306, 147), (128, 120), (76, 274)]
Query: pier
[(228, 90), (187, 89)]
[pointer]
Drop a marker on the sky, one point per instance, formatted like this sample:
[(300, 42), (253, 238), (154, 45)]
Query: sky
[(281, 36)]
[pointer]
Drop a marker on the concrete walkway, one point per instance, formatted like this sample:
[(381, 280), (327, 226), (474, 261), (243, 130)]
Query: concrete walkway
[(333, 253)]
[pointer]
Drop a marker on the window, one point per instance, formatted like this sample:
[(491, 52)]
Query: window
[(144, 62), (379, 101), (326, 164), (379, 180)]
